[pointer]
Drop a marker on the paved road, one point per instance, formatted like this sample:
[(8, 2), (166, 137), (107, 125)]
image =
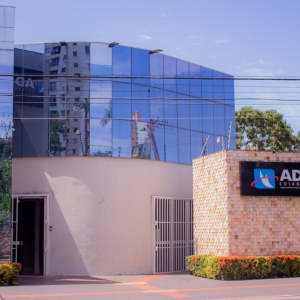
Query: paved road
[(146, 287)]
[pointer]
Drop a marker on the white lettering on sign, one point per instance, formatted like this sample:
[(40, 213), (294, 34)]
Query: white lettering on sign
[(285, 175), (21, 82), (29, 83), (296, 175)]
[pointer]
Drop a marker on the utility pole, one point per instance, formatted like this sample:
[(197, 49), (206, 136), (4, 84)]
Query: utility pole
[(229, 135), (86, 118), (204, 148), (151, 135)]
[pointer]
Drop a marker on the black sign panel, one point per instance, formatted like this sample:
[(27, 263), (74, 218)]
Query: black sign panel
[(270, 178)]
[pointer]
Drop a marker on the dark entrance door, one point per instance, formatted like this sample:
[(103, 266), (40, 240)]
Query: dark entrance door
[(31, 236)]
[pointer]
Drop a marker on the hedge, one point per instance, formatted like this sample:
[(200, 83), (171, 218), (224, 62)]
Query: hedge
[(243, 267), (9, 273)]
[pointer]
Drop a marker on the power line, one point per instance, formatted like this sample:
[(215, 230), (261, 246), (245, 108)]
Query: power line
[(274, 78)]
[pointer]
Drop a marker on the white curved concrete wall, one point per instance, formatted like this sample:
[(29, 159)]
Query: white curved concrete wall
[(100, 209)]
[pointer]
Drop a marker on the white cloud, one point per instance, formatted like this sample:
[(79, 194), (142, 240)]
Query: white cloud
[(143, 37), (193, 40), (259, 68), (261, 62), (191, 37), (262, 72), (163, 15), (223, 39)]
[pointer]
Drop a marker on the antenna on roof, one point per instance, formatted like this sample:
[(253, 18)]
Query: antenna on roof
[(155, 51), (204, 146), (229, 135), (113, 44)]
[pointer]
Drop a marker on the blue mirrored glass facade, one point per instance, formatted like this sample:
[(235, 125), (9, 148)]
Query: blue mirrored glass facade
[(89, 99), (7, 20)]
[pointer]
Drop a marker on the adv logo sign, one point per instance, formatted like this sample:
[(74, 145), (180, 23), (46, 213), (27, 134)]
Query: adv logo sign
[(264, 179), (270, 179)]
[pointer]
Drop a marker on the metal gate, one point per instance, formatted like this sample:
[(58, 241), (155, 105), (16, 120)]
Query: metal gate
[(172, 233)]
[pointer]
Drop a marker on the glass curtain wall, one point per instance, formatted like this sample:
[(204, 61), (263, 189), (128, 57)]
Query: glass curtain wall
[(7, 20), (110, 100)]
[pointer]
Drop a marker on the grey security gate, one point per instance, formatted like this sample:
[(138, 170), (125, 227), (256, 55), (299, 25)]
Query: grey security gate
[(172, 233)]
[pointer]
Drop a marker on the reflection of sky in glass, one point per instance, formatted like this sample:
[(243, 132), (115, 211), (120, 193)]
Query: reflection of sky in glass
[(101, 54), (101, 100), (140, 101), (100, 136), (121, 60), (7, 16), (122, 138), (6, 61), (38, 48), (184, 146), (6, 84)]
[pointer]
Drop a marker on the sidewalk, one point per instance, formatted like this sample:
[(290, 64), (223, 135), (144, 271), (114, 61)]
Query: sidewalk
[(160, 286)]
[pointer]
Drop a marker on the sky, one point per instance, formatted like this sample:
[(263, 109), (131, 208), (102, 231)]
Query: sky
[(238, 37)]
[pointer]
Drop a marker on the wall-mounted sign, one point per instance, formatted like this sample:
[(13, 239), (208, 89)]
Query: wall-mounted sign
[(270, 178)]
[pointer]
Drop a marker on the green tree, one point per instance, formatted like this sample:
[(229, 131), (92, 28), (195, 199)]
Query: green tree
[(297, 142), (5, 179), (6, 148), (5, 189), (107, 115), (57, 128), (263, 131), (5, 168), (103, 153)]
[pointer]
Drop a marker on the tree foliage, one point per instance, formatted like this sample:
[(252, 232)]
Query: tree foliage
[(5, 180), (103, 153), (264, 131), (57, 128), (5, 190)]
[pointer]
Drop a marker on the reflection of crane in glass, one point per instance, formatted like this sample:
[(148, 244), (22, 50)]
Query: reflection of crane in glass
[(142, 135), (156, 123), (85, 107), (152, 137)]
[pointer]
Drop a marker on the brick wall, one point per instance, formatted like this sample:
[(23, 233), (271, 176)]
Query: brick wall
[(226, 223), (4, 245)]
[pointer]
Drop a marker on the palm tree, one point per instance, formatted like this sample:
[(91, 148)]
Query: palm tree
[(107, 116)]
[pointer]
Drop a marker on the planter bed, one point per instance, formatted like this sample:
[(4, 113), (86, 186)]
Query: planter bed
[(9, 273), (243, 267)]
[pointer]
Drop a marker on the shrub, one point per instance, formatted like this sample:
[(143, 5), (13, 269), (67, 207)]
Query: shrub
[(243, 267), (9, 273)]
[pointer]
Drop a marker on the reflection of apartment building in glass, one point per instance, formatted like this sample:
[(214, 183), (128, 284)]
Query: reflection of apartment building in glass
[(63, 99), (99, 97), (104, 136)]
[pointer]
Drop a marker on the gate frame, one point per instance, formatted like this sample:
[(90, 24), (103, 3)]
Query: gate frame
[(46, 198), (153, 223)]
